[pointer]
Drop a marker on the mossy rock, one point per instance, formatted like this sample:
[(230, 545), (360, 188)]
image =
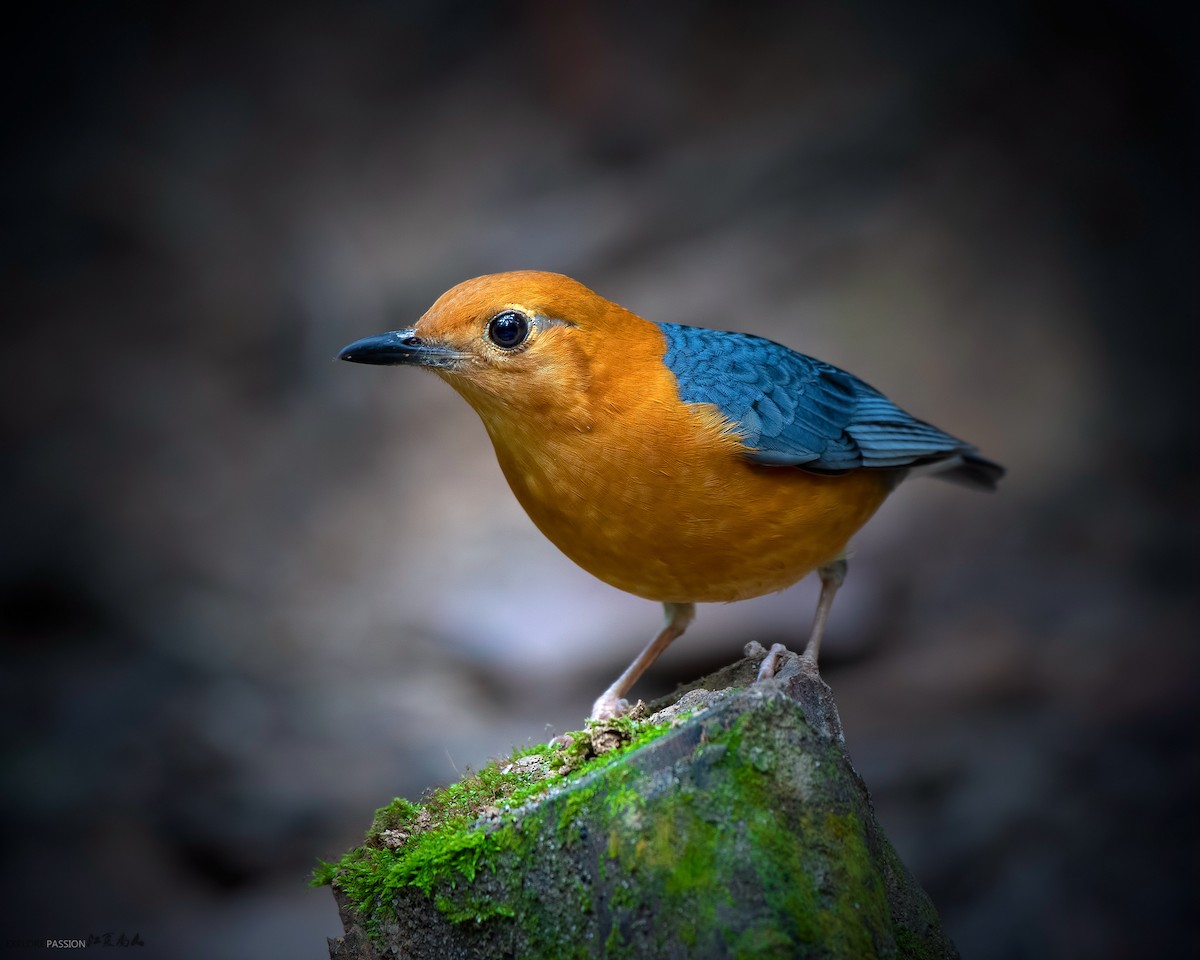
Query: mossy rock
[(740, 830)]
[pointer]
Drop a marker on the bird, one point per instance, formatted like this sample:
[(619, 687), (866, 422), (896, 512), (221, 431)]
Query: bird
[(677, 463)]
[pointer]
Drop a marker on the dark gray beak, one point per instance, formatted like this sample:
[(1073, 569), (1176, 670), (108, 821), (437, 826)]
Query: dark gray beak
[(399, 346)]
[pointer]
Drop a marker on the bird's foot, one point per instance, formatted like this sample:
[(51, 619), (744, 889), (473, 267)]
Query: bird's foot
[(773, 659), (608, 707)]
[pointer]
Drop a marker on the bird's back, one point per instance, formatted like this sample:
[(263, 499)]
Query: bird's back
[(794, 410)]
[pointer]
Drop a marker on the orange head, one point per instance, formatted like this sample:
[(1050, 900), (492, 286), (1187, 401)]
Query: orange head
[(519, 346)]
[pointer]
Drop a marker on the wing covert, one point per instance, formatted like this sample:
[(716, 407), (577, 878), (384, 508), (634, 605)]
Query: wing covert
[(794, 410)]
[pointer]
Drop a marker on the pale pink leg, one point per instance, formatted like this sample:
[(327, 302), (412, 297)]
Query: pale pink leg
[(612, 703), (832, 576)]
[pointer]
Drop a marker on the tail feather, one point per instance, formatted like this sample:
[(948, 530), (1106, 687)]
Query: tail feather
[(965, 467)]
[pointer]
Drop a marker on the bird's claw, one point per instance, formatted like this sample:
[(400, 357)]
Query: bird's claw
[(609, 707), (771, 662)]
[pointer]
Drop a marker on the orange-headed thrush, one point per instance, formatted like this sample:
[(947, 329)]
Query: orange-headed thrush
[(677, 463)]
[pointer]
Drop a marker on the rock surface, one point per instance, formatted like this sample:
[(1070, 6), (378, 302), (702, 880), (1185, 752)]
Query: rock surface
[(741, 831)]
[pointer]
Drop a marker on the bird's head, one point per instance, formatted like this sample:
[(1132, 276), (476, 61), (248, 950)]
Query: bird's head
[(513, 344)]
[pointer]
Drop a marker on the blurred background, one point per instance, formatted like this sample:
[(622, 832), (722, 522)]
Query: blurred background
[(248, 594)]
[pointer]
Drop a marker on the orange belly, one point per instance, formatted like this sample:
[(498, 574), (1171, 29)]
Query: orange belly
[(706, 526)]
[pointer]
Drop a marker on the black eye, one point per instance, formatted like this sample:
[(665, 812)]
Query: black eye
[(508, 329)]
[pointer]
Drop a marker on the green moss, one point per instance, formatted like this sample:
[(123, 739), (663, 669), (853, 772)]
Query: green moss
[(323, 874), (764, 942), (614, 945), (816, 870), (400, 814), (700, 843), (747, 836), (440, 845), (574, 804)]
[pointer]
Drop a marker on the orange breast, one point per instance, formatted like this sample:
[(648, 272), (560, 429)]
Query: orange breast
[(654, 497), (725, 530)]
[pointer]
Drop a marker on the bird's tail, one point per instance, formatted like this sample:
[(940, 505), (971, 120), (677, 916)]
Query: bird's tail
[(965, 467)]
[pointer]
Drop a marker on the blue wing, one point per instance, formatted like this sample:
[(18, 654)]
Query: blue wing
[(793, 410)]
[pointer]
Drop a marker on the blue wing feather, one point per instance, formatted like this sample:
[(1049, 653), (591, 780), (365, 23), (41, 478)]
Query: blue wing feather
[(793, 410)]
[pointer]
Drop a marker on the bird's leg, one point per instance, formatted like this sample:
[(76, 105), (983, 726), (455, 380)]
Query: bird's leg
[(832, 576), (611, 702)]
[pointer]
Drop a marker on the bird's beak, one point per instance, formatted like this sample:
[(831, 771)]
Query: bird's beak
[(400, 346)]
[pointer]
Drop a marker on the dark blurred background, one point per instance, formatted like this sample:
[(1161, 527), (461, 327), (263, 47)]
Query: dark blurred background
[(248, 594)]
